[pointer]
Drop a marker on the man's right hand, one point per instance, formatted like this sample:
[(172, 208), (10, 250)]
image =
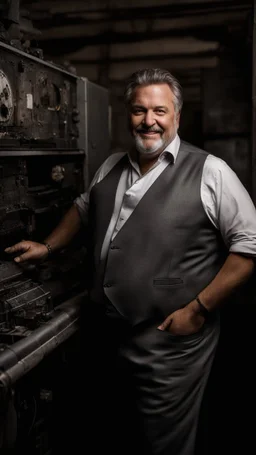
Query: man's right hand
[(28, 251)]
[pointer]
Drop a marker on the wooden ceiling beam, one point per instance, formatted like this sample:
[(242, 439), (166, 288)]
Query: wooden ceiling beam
[(144, 58), (132, 30), (122, 70), (65, 6)]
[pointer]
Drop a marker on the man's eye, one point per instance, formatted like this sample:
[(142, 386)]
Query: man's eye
[(160, 111), (137, 111)]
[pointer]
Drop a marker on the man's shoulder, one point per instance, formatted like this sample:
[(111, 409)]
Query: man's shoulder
[(188, 147), (213, 163), (112, 159), (108, 165)]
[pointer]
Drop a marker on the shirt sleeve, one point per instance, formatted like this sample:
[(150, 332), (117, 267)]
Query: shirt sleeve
[(82, 201), (229, 206)]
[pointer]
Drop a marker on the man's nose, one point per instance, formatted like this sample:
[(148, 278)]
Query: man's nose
[(149, 119)]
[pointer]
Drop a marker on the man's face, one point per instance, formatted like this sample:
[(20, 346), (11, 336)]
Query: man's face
[(153, 120)]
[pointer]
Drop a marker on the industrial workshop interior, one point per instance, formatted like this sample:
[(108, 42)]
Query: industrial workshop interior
[(63, 66)]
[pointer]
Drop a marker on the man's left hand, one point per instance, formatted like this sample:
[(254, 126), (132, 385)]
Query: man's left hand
[(184, 321)]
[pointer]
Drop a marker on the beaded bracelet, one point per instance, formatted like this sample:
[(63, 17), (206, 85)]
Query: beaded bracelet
[(49, 248)]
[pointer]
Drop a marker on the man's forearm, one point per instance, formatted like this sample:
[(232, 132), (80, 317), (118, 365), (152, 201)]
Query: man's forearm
[(66, 230), (236, 270)]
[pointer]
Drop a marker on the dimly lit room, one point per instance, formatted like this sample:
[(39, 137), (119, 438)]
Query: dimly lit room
[(128, 222)]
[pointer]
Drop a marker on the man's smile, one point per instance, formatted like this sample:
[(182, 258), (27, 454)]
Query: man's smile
[(149, 133)]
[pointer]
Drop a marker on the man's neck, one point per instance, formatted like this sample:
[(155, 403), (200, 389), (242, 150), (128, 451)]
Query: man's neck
[(146, 164)]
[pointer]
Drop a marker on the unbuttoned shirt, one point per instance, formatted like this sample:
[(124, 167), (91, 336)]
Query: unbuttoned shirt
[(224, 198)]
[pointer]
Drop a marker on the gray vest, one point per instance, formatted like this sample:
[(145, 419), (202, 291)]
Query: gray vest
[(166, 252)]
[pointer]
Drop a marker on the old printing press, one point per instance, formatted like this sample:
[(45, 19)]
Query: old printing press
[(50, 147)]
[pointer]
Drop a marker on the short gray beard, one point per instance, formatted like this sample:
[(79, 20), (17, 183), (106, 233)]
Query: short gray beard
[(148, 150)]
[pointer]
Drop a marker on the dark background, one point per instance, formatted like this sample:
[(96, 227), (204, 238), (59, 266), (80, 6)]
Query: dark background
[(209, 46)]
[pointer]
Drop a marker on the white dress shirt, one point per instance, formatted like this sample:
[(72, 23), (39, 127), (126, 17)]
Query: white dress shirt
[(225, 200)]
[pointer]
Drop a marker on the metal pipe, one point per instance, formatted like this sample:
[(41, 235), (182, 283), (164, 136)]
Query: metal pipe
[(19, 358)]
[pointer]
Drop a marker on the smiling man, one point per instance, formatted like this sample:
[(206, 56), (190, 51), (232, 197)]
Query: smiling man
[(171, 235), (154, 122)]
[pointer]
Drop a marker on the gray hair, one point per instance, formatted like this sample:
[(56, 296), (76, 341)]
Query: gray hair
[(150, 76)]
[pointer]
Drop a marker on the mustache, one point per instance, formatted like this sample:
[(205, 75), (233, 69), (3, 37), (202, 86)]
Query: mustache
[(151, 129)]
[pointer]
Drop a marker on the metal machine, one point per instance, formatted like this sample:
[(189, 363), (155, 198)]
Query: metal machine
[(53, 136)]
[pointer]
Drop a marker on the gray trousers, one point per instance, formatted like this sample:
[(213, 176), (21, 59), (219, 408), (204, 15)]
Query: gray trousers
[(154, 384)]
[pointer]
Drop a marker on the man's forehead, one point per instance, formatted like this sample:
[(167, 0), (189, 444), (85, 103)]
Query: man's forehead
[(157, 95), (157, 90), (137, 104)]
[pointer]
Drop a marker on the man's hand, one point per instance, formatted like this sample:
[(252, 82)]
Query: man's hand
[(28, 251), (236, 271), (185, 321)]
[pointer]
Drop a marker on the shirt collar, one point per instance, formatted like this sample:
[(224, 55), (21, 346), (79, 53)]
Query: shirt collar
[(172, 148)]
